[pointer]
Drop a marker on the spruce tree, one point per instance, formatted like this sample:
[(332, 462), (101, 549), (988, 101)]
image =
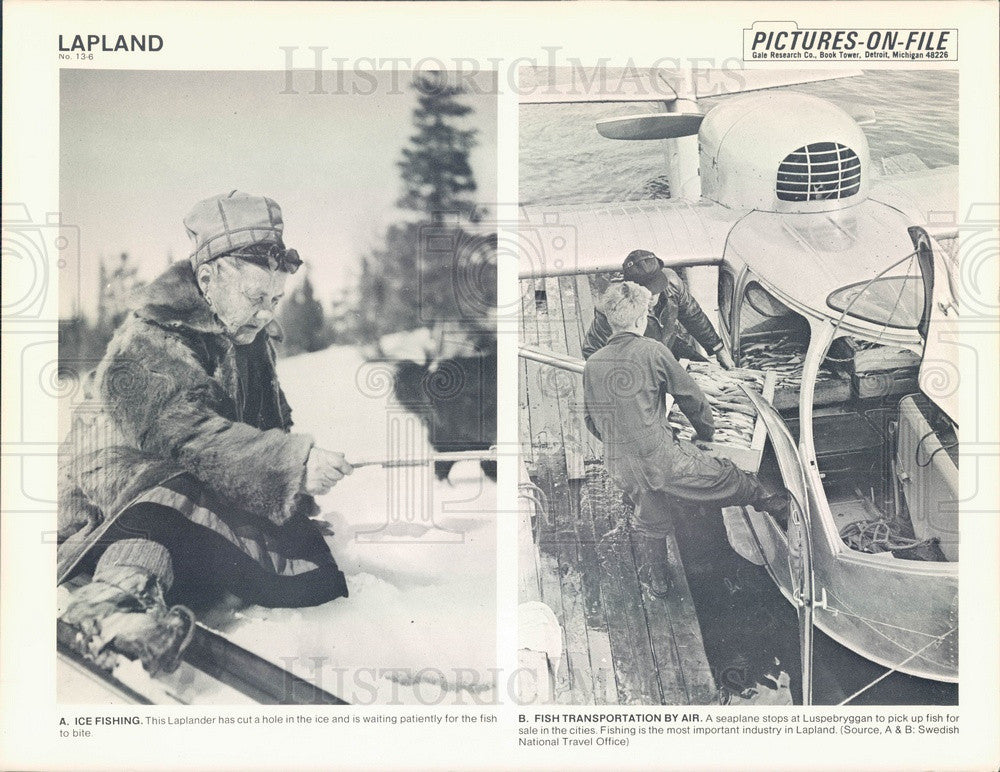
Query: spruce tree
[(403, 285), (435, 169)]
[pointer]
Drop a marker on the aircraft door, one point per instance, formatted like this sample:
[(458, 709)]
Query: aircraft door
[(800, 558), (938, 377)]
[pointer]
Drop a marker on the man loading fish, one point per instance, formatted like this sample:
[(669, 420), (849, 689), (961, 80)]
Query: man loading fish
[(624, 385), (670, 302)]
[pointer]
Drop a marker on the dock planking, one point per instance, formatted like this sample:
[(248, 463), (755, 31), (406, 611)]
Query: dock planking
[(585, 306), (552, 597), (575, 331), (621, 645), (558, 548), (682, 664), (601, 659), (524, 414), (570, 393), (574, 624), (630, 640)]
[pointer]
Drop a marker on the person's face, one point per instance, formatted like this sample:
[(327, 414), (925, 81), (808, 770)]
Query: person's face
[(244, 296), (651, 306)]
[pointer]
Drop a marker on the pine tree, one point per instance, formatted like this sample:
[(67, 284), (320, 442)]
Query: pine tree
[(408, 282), (435, 168)]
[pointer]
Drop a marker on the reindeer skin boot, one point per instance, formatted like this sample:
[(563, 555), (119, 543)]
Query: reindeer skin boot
[(122, 611)]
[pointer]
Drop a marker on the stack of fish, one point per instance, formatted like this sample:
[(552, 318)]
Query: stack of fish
[(732, 412), (784, 356)]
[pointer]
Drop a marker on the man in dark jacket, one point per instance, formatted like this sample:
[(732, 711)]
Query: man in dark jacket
[(181, 477), (624, 385), (671, 303)]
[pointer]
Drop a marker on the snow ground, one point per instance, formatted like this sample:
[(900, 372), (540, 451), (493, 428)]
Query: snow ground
[(419, 626)]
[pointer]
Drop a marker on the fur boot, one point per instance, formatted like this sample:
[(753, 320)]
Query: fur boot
[(124, 612)]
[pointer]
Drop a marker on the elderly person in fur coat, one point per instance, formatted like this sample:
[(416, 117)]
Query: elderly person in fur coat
[(182, 478)]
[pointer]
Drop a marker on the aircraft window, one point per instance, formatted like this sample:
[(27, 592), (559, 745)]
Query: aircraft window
[(760, 313), (764, 303), (895, 301), (726, 288)]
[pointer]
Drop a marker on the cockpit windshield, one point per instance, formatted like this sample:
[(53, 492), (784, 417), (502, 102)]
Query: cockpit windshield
[(893, 301)]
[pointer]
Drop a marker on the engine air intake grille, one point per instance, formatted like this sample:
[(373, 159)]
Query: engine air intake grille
[(820, 171)]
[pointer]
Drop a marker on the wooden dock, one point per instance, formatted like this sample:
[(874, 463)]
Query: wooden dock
[(620, 644)]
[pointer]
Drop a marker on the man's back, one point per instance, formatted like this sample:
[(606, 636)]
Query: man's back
[(624, 385)]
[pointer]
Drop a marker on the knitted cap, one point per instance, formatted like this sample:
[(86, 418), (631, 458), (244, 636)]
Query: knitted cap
[(227, 222)]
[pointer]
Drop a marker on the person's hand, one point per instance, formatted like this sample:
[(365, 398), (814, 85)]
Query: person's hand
[(701, 444), (722, 356), (324, 469)]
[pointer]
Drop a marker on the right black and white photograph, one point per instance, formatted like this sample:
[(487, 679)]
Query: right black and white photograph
[(738, 387)]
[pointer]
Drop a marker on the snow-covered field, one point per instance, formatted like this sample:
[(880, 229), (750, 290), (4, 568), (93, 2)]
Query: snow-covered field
[(419, 555)]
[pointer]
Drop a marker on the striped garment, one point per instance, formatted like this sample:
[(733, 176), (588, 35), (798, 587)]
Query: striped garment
[(194, 540)]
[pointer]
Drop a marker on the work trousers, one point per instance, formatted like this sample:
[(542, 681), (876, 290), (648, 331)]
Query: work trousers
[(681, 474)]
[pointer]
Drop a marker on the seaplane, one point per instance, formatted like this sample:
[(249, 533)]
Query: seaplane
[(776, 191)]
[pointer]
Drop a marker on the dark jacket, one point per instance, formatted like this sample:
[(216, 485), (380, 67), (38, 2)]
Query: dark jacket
[(624, 385), (676, 304), (173, 395)]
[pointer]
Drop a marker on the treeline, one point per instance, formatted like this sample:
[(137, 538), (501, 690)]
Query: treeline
[(306, 325)]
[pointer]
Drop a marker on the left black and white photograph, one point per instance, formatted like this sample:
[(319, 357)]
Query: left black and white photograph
[(277, 382)]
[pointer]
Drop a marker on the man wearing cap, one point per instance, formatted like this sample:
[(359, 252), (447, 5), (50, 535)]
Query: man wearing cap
[(671, 303), (181, 479)]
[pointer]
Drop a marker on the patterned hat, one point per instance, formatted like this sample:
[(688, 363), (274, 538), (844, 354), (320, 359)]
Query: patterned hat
[(232, 221)]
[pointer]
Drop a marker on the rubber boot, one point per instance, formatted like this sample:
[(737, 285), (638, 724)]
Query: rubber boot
[(124, 612), (653, 568)]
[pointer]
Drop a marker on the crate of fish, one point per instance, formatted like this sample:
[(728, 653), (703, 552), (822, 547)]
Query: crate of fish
[(784, 356), (739, 430)]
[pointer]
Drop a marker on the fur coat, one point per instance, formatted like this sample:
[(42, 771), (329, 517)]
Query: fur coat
[(171, 396)]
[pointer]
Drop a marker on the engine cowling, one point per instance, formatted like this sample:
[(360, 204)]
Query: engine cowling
[(783, 152)]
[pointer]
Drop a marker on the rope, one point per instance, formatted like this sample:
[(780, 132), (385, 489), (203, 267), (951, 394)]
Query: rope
[(536, 495), (942, 447), (531, 492), (873, 622), (874, 536), (892, 670)]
